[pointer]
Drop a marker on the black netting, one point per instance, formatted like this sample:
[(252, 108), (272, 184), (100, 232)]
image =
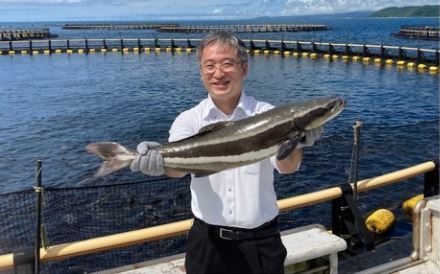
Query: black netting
[(74, 214)]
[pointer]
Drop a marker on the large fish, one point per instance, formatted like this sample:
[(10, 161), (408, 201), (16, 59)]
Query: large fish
[(232, 144)]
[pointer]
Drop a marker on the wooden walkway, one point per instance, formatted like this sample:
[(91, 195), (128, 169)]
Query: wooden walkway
[(117, 26), (244, 28)]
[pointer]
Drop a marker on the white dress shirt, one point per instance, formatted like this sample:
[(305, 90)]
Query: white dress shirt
[(240, 197)]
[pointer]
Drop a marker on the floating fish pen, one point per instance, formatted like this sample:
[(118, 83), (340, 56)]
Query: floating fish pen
[(244, 28), (25, 34), (419, 32), (401, 56), (117, 26)]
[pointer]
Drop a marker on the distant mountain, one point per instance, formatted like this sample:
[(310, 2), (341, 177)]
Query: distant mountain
[(410, 11)]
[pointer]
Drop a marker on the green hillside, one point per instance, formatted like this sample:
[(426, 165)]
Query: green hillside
[(410, 11)]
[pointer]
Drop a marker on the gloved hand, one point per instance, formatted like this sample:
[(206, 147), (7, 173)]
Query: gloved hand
[(310, 137), (149, 161)]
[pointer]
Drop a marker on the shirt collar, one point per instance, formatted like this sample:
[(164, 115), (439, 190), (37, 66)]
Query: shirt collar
[(244, 106)]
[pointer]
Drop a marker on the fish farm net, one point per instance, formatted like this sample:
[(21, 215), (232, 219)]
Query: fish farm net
[(80, 213)]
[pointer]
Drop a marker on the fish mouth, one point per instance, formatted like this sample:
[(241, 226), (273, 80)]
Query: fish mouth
[(330, 110)]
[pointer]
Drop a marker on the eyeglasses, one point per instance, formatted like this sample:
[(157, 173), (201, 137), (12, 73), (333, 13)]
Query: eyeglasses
[(227, 66)]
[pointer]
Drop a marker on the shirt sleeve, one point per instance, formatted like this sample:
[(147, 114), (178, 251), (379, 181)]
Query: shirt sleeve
[(183, 126)]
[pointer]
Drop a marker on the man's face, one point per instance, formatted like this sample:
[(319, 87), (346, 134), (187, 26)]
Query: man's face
[(222, 72)]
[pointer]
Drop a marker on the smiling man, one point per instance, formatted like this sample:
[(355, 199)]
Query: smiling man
[(235, 227)]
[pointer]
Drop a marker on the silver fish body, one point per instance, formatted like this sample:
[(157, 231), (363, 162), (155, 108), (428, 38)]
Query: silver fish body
[(226, 145)]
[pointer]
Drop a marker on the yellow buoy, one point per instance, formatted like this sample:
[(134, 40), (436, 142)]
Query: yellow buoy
[(24, 52), (326, 56), (92, 50), (305, 54), (80, 51), (389, 61), (168, 49), (114, 49), (69, 51), (256, 51), (11, 52), (286, 53), (421, 66), (266, 52), (46, 51), (276, 52), (103, 50), (295, 54), (313, 55), (400, 63), (35, 52), (335, 56), (366, 59), (433, 69), (408, 205), (58, 51), (380, 221), (411, 64), (377, 60), (147, 49), (135, 49)]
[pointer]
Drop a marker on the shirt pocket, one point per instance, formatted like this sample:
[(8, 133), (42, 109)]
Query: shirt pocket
[(252, 169)]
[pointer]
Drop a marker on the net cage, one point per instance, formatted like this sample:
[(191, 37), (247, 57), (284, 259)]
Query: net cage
[(80, 213)]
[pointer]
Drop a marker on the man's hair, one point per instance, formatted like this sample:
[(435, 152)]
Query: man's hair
[(224, 38)]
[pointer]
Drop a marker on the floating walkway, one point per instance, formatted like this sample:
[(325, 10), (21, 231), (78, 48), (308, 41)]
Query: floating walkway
[(117, 26), (419, 32), (25, 34), (423, 59), (244, 28)]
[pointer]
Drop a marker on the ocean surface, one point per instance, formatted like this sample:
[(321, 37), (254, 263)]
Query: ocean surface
[(52, 106)]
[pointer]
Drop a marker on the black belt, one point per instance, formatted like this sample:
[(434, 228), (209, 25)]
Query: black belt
[(239, 234)]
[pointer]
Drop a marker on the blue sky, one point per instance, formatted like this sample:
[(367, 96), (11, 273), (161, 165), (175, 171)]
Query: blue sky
[(77, 10)]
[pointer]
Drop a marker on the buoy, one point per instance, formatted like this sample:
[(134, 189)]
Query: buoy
[(135, 49), (389, 61), (335, 56), (326, 56), (11, 52), (168, 49), (421, 66), (380, 221), (125, 50), (356, 58), (411, 64), (24, 52), (377, 60), (433, 69), (266, 52), (188, 50), (345, 57), (313, 55), (256, 51), (35, 52), (366, 59), (296, 54), (276, 52), (286, 53), (408, 205), (400, 63), (305, 54), (103, 50), (92, 50), (58, 51), (69, 51), (114, 49), (80, 51), (46, 51)]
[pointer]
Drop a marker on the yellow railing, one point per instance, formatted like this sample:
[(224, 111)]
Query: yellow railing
[(94, 245)]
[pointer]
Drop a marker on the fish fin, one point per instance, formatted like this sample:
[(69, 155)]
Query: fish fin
[(203, 173), (213, 127), (111, 166), (107, 150), (289, 145)]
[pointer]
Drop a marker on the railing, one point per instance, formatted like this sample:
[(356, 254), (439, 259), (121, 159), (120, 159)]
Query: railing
[(418, 55), (89, 246)]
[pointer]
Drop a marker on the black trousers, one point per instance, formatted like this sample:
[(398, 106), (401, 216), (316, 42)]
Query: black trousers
[(206, 252)]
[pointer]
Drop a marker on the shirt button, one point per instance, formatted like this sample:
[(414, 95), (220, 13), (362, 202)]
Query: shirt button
[(230, 190), (230, 211)]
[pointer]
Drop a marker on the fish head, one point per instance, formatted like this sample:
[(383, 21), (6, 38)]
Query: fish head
[(312, 114)]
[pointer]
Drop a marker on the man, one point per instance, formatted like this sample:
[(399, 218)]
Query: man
[(235, 226)]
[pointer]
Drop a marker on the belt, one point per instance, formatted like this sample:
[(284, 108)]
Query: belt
[(239, 234)]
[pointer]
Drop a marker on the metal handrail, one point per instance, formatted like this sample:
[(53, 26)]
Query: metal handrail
[(109, 242)]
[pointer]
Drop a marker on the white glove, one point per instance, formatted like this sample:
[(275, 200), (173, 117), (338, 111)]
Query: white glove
[(149, 161), (310, 137)]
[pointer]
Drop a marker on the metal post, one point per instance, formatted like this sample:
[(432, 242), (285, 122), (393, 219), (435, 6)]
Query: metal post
[(39, 206), (356, 147)]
